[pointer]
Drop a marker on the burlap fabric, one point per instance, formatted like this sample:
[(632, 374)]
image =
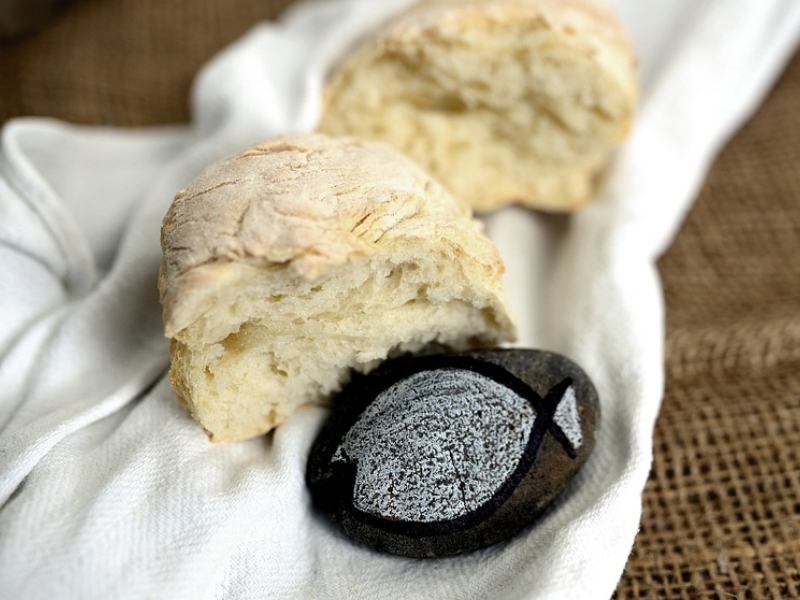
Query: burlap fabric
[(722, 506)]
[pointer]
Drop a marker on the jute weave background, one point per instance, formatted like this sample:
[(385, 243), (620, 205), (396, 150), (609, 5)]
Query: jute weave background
[(722, 506)]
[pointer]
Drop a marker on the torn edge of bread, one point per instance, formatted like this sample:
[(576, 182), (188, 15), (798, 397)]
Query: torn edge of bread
[(305, 258), (503, 101)]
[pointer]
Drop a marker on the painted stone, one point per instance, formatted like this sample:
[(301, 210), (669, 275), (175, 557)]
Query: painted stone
[(438, 455)]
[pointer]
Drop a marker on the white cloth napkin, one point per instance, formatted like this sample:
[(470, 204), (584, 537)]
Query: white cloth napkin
[(109, 490)]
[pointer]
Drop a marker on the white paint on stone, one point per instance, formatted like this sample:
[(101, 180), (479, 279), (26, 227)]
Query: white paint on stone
[(568, 419), (436, 445)]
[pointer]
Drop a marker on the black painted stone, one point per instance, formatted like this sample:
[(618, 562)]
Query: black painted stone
[(438, 455)]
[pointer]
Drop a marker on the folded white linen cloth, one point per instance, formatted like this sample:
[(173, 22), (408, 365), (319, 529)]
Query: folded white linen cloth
[(109, 490)]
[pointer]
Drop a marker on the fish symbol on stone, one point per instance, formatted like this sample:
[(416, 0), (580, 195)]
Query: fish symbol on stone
[(440, 447)]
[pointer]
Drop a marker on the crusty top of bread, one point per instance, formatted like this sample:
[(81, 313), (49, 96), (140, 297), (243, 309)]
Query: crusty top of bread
[(591, 22), (305, 202), (562, 13)]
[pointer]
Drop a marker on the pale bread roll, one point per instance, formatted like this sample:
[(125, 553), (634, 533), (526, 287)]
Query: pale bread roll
[(306, 257), (504, 101)]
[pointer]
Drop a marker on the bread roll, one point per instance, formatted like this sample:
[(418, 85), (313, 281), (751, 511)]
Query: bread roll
[(503, 101), (306, 257)]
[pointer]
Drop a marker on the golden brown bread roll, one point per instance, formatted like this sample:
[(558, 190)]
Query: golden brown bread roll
[(502, 100), (306, 257)]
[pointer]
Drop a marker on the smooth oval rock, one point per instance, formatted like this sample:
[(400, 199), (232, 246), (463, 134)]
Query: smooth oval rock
[(438, 455)]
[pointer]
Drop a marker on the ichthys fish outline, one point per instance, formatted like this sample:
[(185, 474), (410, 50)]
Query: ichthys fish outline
[(340, 476)]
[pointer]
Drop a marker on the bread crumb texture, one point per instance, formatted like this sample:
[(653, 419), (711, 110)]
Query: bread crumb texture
[(504, 101), (304, 258)]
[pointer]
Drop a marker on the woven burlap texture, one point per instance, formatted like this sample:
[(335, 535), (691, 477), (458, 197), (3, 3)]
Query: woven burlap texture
[(722, 507)]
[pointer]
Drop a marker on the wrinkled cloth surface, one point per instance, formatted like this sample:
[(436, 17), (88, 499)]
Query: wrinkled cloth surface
[(107, 488)]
